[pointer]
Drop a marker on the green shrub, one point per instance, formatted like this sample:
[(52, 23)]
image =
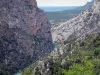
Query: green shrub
[(37, 72), (97, 51), (97, 67), (27, 71), (80, 69)]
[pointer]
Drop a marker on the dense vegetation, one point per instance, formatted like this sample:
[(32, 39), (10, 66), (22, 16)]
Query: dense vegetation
[(84, 60)]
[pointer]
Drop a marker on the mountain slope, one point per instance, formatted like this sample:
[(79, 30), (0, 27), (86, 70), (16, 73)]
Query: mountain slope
[(24, 35), (68, 14), (79, 26), (79, 57)]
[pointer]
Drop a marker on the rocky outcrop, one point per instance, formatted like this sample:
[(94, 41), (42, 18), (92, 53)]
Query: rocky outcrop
[(24, 34), (87, 22)]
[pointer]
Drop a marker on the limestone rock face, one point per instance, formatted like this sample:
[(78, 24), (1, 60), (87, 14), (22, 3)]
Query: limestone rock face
[(24, 34), (25, 15), (86, 22)]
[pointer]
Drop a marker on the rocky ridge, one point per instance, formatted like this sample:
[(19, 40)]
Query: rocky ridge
[(79, 26)]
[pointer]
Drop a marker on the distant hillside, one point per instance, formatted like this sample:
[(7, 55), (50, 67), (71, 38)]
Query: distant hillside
[(68, 14), (55, 9)]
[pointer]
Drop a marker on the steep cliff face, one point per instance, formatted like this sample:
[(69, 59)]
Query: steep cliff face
[(24, 34), (26, 16), (79, 26)]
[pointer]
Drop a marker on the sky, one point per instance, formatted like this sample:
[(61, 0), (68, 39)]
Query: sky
[(45, 3)]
